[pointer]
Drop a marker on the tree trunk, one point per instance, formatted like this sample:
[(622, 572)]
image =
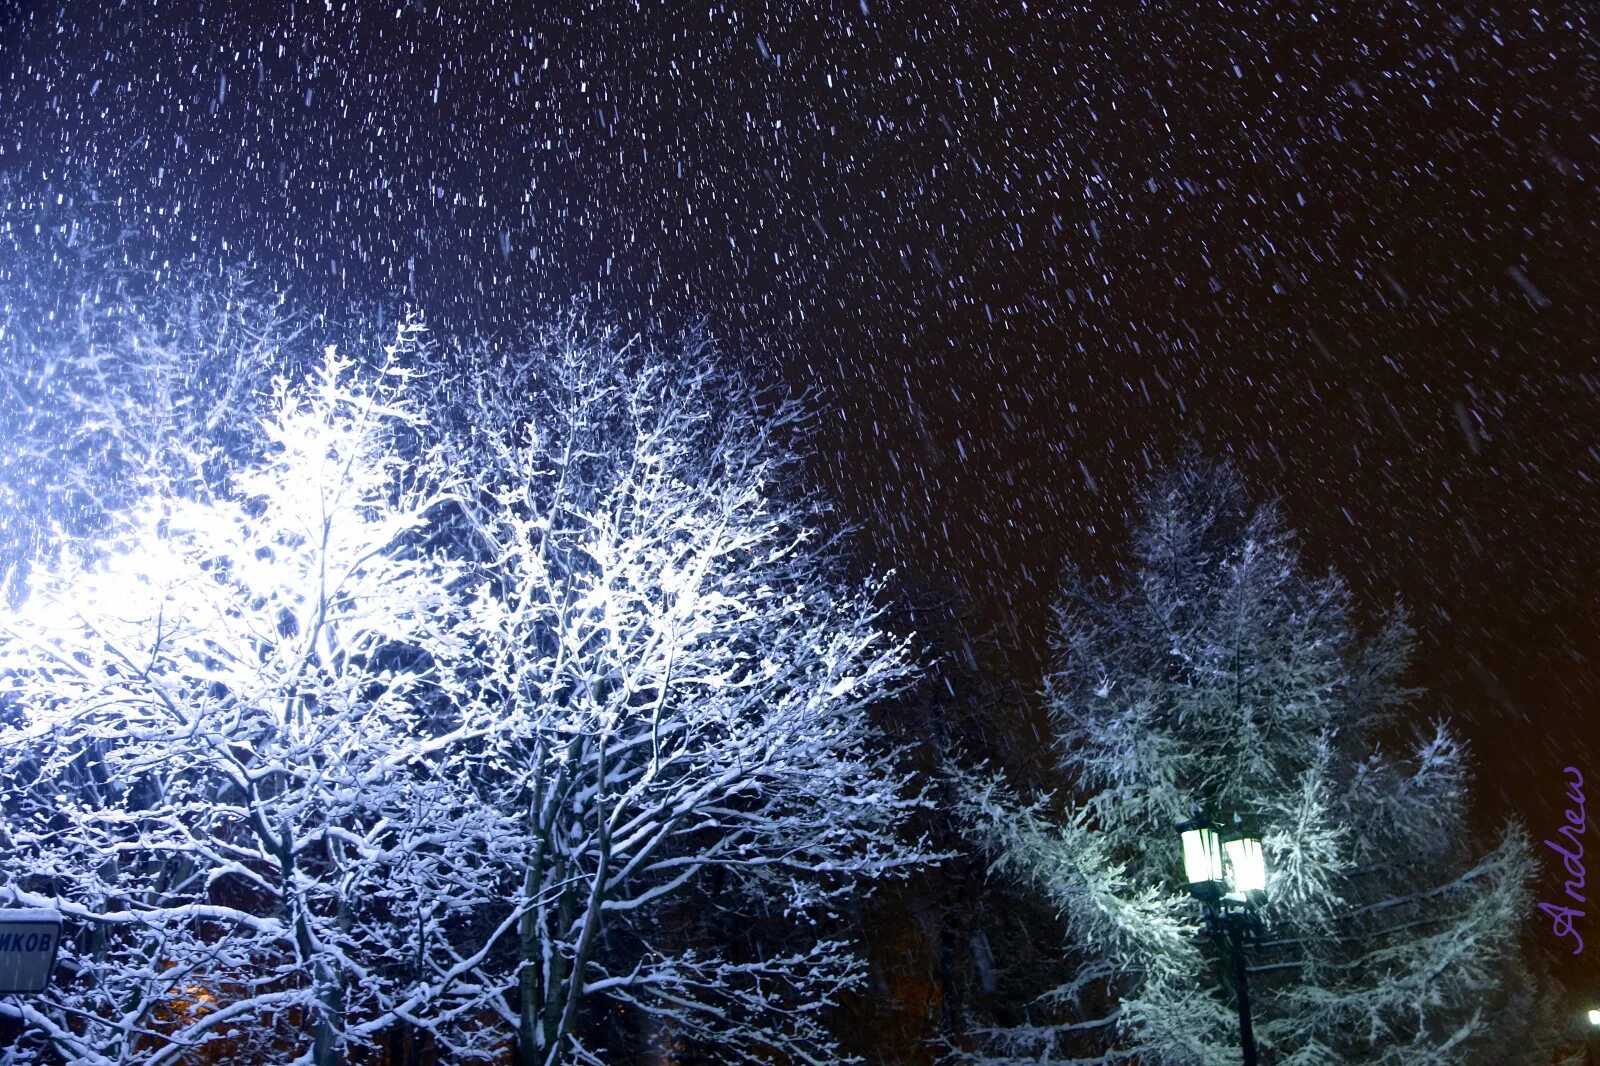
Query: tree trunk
[(327, 1047)]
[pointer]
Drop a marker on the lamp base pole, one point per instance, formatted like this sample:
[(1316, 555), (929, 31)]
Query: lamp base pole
[(1241, 992)]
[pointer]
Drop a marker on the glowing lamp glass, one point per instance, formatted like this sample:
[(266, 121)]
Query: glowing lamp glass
[(1202, 859), (1247, 868)]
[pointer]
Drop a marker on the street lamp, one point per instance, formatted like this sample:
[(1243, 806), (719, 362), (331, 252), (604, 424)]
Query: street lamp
[(1227, 872), (1247, 868), (1202, 860)]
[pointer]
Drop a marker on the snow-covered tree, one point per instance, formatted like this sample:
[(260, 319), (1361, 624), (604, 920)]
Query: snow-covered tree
[(231, 756), (113, 378), (683, 676), (1214, 675), (436, 717)]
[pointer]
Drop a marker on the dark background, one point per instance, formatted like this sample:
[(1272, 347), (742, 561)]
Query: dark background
[(1019, 253)]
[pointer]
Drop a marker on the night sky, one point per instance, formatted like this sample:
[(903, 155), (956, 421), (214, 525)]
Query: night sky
[(1019, 254)]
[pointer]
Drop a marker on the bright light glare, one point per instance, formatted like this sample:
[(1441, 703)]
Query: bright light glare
[(1248, 865), (1202, 858)]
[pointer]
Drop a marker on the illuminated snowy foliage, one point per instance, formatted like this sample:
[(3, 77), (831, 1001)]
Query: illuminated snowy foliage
[(681, 676), (414, 727), (1213, 675), (234, 756)]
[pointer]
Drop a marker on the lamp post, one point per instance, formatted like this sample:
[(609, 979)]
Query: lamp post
[(1227, 873), (1587, 1032)]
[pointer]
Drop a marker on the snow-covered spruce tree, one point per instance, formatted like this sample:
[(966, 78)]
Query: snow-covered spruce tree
[(230, 755), (683, 675), (1214, 675)]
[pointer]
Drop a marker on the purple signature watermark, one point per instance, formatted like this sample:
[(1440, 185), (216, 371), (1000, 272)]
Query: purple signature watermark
[(1570, 848)]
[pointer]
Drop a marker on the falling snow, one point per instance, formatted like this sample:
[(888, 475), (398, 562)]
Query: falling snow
[(1017, 258)]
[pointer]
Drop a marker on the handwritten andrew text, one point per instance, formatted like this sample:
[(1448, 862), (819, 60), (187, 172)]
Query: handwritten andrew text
[(1570, 848)]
